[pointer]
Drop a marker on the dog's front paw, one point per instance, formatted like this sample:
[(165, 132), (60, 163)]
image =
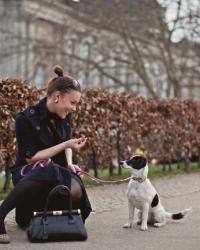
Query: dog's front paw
[(144, 228), (127, 225)]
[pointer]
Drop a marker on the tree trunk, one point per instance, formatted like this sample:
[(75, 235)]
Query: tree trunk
[(169, 167), (111, 168), (118, 153), (163, 167), (177, 90), (187, 163), (199, 161), (94, 163)]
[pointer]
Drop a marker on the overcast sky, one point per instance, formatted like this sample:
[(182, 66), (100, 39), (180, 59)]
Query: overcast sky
[(184, 28)]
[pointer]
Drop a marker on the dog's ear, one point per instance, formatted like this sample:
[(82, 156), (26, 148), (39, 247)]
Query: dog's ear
[(143, 161)]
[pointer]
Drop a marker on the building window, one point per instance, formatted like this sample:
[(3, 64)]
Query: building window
[(40, 75)]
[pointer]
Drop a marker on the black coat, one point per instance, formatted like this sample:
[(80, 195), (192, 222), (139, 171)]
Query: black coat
[(33, 134)]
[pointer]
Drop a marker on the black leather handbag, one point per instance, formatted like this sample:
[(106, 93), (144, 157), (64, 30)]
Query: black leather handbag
[(64, 225)]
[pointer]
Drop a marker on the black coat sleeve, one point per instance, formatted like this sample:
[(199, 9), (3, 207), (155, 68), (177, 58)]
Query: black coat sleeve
[(67, 127), (25, 135)]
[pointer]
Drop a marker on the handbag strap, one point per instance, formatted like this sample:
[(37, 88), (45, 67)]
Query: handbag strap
[(51, 193)]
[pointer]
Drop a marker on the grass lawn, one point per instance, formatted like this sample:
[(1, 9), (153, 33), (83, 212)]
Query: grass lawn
[(154, 171)]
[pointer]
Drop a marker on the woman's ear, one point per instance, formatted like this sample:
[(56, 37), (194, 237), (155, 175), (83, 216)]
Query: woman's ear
[(56, 96)]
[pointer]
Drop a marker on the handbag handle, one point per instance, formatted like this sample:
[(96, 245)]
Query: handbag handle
[(52, 192)]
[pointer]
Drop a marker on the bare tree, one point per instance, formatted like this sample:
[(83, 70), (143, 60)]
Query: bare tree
[(126, 45), (136, 39)]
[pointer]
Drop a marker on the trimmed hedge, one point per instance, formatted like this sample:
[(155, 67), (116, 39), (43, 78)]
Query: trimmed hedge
[(115, 124)]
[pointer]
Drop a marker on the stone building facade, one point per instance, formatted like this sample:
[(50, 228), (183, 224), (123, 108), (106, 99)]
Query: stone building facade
[(37, 34)]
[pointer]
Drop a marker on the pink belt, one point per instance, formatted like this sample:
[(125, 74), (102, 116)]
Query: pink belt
[(41, 164)]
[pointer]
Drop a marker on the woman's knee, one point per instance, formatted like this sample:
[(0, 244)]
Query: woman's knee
[(76, 190)]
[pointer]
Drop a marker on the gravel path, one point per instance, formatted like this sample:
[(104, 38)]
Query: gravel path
[(104, 226)]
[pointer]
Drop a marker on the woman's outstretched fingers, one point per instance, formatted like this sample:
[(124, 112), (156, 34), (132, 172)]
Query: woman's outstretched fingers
[(77, 144)]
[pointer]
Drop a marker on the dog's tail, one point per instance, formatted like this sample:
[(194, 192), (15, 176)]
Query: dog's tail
[(178, 216)]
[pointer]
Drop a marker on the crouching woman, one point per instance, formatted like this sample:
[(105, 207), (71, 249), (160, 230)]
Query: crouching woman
[(43, 132)]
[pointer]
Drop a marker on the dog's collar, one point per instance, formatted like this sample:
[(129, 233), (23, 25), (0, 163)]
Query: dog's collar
[(138, 179)]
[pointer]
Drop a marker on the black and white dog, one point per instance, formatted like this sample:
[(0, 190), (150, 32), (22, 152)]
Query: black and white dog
[(143, 196)]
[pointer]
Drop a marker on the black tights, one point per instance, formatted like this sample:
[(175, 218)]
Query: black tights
[(29, 191)]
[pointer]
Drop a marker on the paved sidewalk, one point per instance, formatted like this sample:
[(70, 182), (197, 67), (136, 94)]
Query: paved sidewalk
[(104, 226)]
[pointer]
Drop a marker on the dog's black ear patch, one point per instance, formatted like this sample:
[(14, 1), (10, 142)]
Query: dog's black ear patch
[(155, 201), (137, 162)]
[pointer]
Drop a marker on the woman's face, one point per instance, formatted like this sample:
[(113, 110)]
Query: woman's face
[(67, 103)]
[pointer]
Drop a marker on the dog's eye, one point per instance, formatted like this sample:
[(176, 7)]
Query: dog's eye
[(128, 162)]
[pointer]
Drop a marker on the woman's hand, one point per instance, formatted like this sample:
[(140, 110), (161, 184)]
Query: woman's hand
[(74, 168), (76, 144)]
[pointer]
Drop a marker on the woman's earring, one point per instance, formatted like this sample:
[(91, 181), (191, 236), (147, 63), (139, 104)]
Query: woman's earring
[(56, 100)]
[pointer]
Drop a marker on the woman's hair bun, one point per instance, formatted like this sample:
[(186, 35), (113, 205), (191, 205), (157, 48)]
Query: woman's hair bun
[(58, 70)]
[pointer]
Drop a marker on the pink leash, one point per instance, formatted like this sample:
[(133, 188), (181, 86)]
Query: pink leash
[(44, 163), (98, 180)]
